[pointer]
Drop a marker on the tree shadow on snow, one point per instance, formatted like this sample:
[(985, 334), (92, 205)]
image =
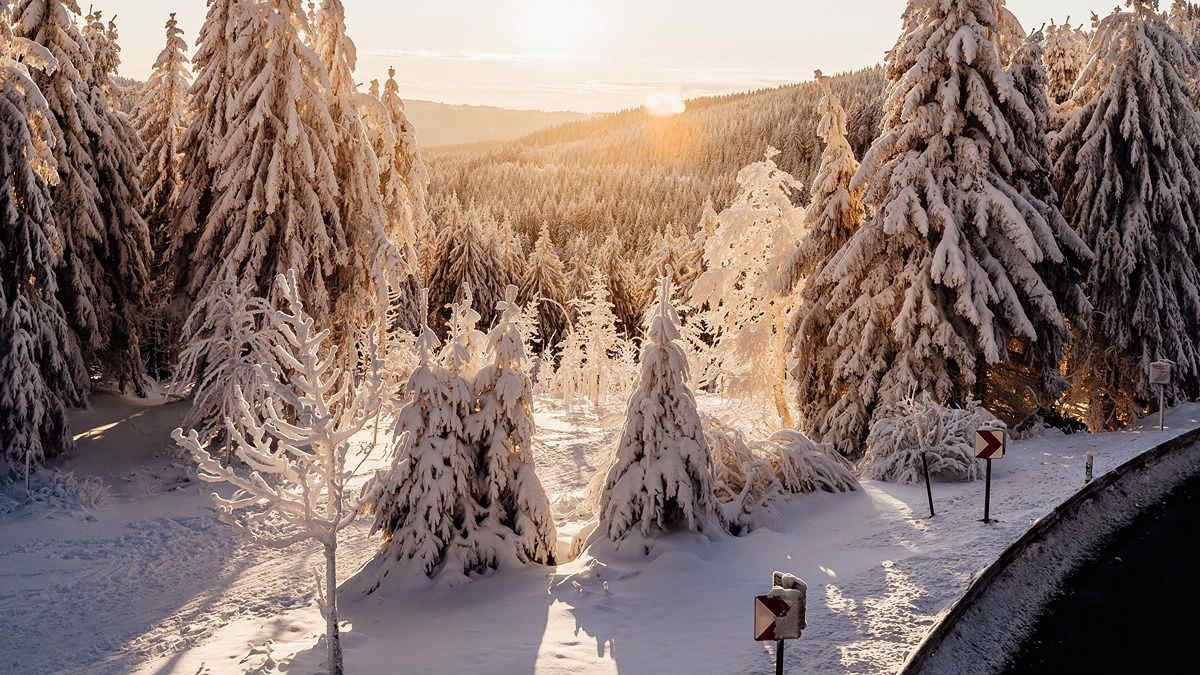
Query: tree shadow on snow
[(492, 624)]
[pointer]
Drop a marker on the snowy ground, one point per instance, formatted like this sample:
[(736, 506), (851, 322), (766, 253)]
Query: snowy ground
[(151, 583)]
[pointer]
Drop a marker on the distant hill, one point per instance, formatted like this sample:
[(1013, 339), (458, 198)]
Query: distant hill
[(441, 124), (636, 173)]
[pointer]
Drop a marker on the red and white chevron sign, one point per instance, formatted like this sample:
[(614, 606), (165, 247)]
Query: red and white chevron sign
[(989, 443), (775, 617)]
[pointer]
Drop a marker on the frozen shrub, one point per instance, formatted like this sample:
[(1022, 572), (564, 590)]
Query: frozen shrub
[(915, 426)]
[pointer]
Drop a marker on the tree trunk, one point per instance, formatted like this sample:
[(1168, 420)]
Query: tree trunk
[(331, 613), (785, 414)]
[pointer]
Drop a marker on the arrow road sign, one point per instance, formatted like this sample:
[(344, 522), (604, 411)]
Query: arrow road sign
[(767, 610), (989, 443)]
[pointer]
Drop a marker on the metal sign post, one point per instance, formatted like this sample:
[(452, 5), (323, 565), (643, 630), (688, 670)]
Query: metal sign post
[(1160, 374), (779, 615), (928, 487), (989, 445)]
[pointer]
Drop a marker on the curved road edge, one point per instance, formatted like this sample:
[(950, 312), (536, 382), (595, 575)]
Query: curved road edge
[(1000, 608)]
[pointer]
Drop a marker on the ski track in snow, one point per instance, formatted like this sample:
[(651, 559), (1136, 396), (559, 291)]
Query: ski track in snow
[(153, 583)]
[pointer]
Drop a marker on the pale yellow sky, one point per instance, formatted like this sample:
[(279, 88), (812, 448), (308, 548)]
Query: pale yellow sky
[(590, 55)]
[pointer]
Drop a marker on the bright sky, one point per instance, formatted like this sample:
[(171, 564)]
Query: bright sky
[(590, 55)]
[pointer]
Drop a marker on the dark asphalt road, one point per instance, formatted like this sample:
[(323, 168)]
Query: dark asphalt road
[(1134, 609)]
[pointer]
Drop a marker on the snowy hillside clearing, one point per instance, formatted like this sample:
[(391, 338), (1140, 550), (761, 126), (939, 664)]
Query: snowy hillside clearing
[(155, 585)]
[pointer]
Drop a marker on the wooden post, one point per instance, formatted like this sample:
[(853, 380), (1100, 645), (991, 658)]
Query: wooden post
[(1161, 410), (779, 657), (987, 493), (928, 486), (1087, 471)]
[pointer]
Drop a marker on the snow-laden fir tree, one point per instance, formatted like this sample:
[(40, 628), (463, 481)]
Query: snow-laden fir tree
[(226, 337), (210, 105), (276, 202), (623, 286), (830, 221), (545, 284), (1066, 52), (1128, 165), (667, 256), (405, 178), (162, 122), (357, 173), (516, 510), (836, 209), (41, 369), (1031, 379), (102, 277), (586, 355), (465, 259), (692, 260), (426, 506), (661, 477), (927, 293), (739, 285), (1184, 17), (298, 484)]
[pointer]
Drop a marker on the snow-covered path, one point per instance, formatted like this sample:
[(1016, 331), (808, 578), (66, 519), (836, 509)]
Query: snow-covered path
[(154, 584)]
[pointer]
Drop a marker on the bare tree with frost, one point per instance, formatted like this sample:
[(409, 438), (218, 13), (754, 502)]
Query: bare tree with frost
[(298, 485), (661, 478), (738, 287), (927, 293), (1128, 163)]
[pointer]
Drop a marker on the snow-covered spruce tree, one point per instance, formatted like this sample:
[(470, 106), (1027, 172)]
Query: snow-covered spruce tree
[(465, 259), (210, 105), (516, 509), (1030, 379), (830, 221), (162, 122), (623, 286), (357, 170), (692, 261), (1184, 17), (426, 505), (405, 178), (226, 337), (661, 478), (1066, 52), (585, 366), (545, 284), (276, 193), (836, 210), (102, 277), (298, 485), (927, 293), (1128, 165), (739, 287), (41, 368)]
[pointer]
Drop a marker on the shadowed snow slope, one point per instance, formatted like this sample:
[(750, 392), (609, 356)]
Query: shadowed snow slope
[(154, 584)]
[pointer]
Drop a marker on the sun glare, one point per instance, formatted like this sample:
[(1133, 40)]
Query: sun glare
[(557, 24), (665, 103)]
